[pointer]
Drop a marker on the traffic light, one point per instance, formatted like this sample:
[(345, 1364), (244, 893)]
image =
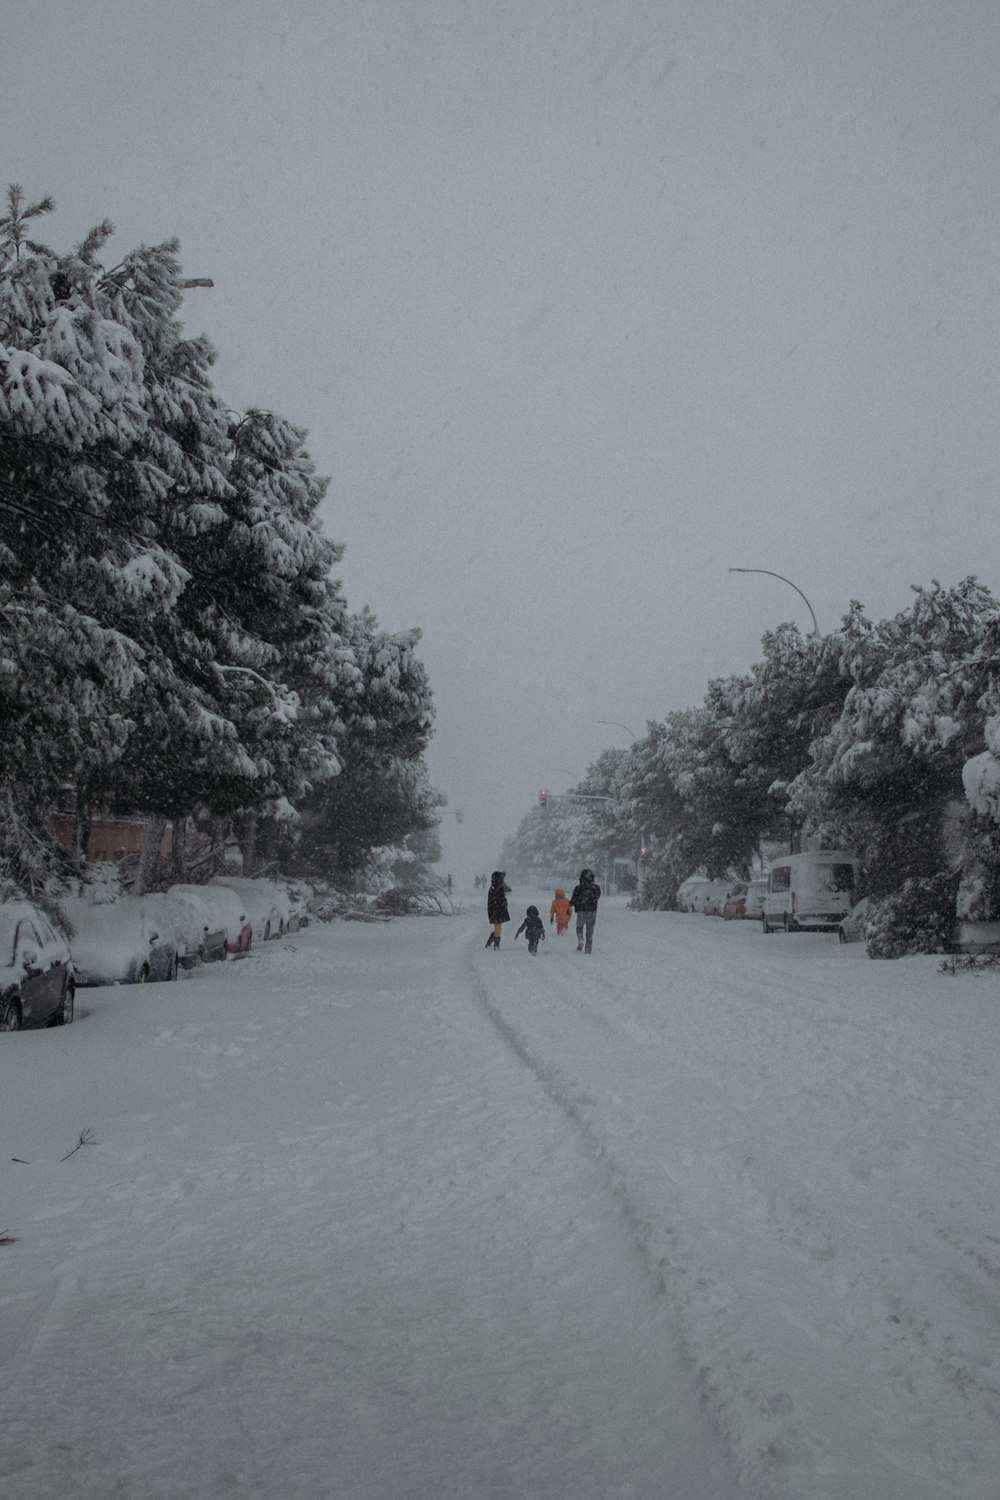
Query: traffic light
[(642, 852), (543, 800)]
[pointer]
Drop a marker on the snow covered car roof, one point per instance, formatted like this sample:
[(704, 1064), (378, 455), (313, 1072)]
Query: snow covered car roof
[(264, 901), (224, 908), (114, 942)]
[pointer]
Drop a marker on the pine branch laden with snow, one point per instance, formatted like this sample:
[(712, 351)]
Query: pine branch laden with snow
[(981, 780), (864, 738), (167, 614)]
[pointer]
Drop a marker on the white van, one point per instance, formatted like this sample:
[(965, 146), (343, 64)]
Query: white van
[(812, 891)]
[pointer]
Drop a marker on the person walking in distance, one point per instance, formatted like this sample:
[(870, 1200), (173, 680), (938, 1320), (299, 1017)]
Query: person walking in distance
[(496, 907), (533, 928), (586, 894)]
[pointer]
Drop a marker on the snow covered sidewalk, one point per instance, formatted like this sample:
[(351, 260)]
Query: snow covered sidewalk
[(332, 1239)]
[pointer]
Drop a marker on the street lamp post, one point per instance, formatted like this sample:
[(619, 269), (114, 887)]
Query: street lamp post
[(791, 585), (618, 725)]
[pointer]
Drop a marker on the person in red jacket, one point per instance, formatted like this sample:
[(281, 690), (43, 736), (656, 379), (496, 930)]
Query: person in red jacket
[(560, 911)]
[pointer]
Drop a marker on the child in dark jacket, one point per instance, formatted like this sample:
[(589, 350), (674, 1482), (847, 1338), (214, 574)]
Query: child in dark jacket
[(533, 928)]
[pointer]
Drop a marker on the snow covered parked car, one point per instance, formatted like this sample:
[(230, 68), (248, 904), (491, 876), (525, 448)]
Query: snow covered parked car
[(744, 901), (213, 916), (693, 893), (198, 923), (128, 941), (265, 903), (299, 896), (237, 921), (718, 893), (734, 906), (37, 982)]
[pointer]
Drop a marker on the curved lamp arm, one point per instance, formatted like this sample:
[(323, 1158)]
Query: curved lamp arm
[(791, 585), (618, 725)]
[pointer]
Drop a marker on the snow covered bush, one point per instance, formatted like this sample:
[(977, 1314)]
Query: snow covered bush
[(981, 774), (658, 891), (918, 918)]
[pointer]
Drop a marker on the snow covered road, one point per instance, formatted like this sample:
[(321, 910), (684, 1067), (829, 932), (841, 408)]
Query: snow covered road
[(333, 1239), (375, 1213)]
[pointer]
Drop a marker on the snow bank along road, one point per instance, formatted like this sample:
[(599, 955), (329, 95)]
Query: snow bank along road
[(376, 1213)]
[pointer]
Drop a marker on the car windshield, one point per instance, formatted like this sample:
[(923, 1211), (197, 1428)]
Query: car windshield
[(42, 930), (841, 878)]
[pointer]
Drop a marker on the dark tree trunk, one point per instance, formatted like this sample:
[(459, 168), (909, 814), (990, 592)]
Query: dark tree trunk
[(248, 844), (219, 830), (178, 851), (82, 820), (149, 859)]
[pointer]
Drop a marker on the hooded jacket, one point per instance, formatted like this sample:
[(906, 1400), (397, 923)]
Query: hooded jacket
[(561, 908), (586, 893), (533, 927), (496, 899)]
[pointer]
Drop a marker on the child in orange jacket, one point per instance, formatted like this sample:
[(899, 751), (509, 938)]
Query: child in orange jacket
[(560, 911)]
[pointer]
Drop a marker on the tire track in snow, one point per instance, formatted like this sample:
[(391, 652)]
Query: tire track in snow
[(769, 1029), (686, 1282)]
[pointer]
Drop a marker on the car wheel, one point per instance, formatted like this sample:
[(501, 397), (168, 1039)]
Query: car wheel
[(175, 968), (64, 1015), (281, 928), (144, 974), (841, 935), (267, 932), (764, 927), (790, 925), (10, 1014)]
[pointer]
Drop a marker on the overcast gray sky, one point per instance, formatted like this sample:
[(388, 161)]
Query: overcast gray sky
[(583, 302)]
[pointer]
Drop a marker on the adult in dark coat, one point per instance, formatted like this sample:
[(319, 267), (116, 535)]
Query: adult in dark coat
[(586, 894), (496, 906)]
